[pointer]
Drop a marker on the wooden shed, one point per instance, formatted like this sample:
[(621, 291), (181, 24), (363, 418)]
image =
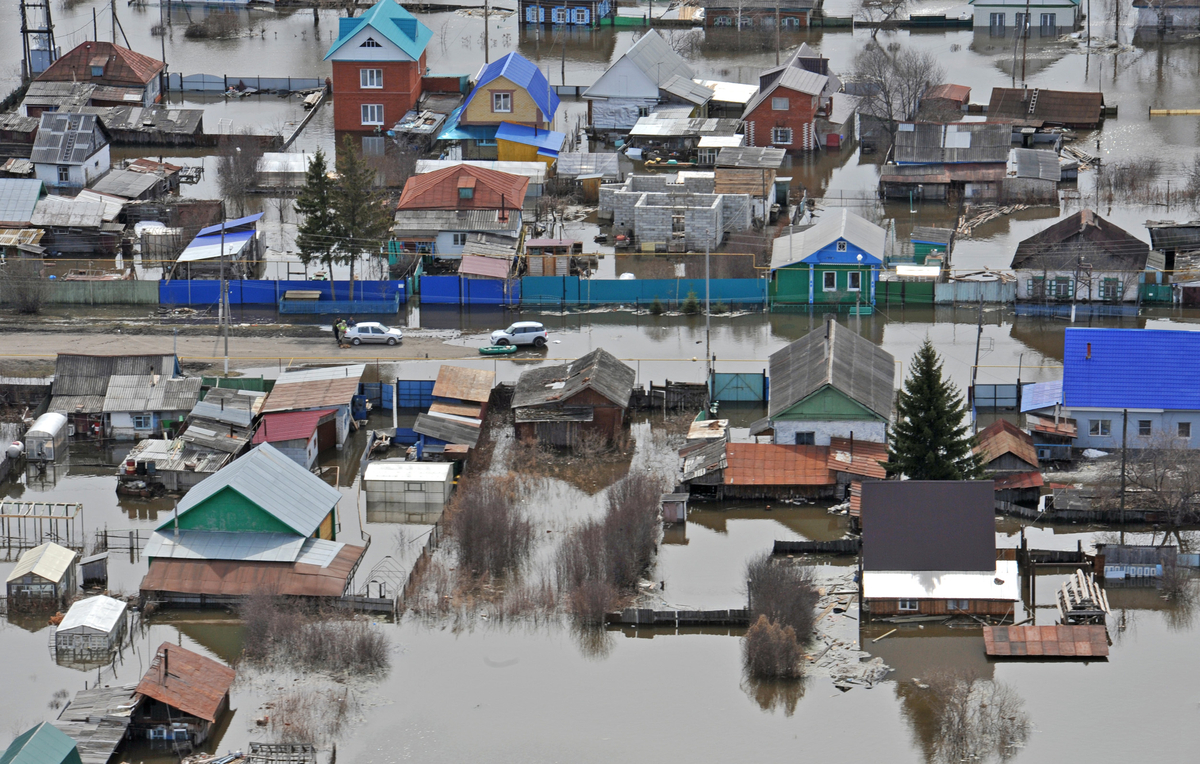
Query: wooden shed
[(587, 398), (92, 625), (43, 575), (183, 695)]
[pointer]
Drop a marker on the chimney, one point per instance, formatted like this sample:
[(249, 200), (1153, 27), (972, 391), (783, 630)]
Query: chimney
[(1089, 351)]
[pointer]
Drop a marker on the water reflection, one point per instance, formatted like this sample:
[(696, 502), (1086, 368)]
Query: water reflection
[(956, 715), (773, 695)]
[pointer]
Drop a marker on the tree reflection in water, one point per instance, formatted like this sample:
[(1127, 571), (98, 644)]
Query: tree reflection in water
[(958, 716)]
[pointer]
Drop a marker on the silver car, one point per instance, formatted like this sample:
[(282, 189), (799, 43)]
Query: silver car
[(370, 331)]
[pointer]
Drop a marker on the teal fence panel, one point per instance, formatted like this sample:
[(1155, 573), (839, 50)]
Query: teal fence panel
[(748, 387), (571, 290)]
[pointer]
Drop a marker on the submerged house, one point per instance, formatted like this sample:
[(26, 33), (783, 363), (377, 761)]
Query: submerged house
[(830, 384), (120, 75), (44, 575), (300, 435), (1083, 258), (1010, 458), (121, 396), (1038, 107), (1054, 16), (237, 251), (834, 263), (562, 405), (758, 14), (632, 86), (929, 548), (333, 387), (564, 12), (795, 108), (509, 91), (70, 151), (181, 696), (263, 522), (460, 400)]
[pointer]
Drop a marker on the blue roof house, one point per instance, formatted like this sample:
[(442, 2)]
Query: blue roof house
[(834, 264), (1151, 373)]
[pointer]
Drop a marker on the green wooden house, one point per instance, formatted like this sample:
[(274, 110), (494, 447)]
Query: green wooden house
[(833, 264), (830, 383), (264, 491), (43, 744)]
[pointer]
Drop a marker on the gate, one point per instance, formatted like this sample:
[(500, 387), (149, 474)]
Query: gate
[(750, 387)]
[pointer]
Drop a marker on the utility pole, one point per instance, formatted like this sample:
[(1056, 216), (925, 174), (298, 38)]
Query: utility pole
[(707, 311), (223, 301), (486, 51), (777, 33), (975, 368), (112, 9), (1024, 40), (1124, 433)]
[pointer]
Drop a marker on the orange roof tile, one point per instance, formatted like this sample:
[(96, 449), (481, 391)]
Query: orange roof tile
[(858, 457), (438, 190), (122, 67), (772, 464), (1001, 437), (1062, 641)]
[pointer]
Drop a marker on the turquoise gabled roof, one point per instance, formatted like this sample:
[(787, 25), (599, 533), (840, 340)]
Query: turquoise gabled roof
[(391, 21), (44, 744)]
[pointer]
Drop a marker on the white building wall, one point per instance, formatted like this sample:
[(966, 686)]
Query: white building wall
[(871, 432), (1164, 428), (1177, 18), (1067, 14)]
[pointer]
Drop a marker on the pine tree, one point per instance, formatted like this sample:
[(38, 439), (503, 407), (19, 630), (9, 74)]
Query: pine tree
[(364, 220), (930, 441), (318, 231)]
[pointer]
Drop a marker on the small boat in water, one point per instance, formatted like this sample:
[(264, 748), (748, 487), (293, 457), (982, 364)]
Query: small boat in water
[(498, 350)]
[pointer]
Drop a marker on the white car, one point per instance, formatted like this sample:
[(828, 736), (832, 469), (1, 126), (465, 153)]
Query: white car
[(370, 331), (521, 333)]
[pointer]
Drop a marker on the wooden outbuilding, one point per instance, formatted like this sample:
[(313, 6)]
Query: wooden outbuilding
[(587, 398), (182, 696)]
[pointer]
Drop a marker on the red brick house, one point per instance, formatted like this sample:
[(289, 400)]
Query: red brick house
[(791, 99), (378, 60)]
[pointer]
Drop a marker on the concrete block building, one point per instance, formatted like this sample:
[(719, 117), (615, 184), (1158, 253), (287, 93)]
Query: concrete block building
[(679, 208)]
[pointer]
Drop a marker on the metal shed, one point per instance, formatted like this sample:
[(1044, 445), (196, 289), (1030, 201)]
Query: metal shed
[(45, 573), (92, 625), (408, 491), (47, 438)]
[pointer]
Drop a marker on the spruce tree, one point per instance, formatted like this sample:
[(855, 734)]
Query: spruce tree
[(317, 232), (364, 221), (930, 440)]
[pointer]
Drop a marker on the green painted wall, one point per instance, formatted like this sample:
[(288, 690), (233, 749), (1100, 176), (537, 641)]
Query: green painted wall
[(791, 285), (228, 510), (828, 403)]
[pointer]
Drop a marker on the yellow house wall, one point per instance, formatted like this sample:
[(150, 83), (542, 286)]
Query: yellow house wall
[(509, 151), (479, 111)]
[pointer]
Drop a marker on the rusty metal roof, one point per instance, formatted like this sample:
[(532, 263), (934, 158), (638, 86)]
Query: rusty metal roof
[(1089, 641), (314, 388), (1019, 480), (858, 457), (235, 578), (959, 93), (187, 681), (1044, 424), (464, 384), (772, 464), (1055, 107), (1000, 438)]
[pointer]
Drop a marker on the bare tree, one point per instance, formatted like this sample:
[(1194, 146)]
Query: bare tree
[(969, 718), (237, 167), (22, 285), (892, 85), (1162, 476), (880, 13)]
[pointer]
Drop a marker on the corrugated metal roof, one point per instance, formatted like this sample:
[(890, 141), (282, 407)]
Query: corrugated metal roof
[(100, 613), (127, 184), (1102, 245), (49, 561), (230, 406), (860, 232), (447, 429), (959, 93), (658, 127), (245, 547), (276, 484), (750, 156), (233, 578), (793, 77), (437, 191), (836, 356), (524, 74), (700, 460), (1002, 437), (482, 265), (18, 198), (186, 681), (858, 457), (62, 212), (113, 205), (291, 425), (1019, 480), (599, 370), (1054, 641), (729, 92), (237, 225), (1131, 368), (1040, 395), (550, 140), (66, 138), (391, 20), (399, 470), (930, 235), (159, 119), (412, 222), (774, 464), (191, 452), (1037, 164), (43, 744), (144, 393), (209, 247), (1055, 107), (464, 383), (1003, 583), (655, 57), (687, 90), (933, 143), (314, 388)]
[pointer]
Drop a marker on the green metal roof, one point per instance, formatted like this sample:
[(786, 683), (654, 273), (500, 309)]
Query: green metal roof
[(43, 744)]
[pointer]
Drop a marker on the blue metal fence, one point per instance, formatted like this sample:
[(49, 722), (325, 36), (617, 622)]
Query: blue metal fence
[(415, 393), (459, 290), (571, 290), (262, 292), (323, 307)]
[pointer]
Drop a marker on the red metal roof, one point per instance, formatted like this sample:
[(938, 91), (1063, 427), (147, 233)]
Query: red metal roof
[(233, 578), (1065, 427), (186, 681), (438, 190), (858, 457), (772, 464), (122, 67), (1046, 641), (959, 93), (290, 425), (1002, 437), (1019, 480)]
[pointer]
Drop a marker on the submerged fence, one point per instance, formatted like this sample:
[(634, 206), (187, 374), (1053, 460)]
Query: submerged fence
[(572, 290), (219, 83)]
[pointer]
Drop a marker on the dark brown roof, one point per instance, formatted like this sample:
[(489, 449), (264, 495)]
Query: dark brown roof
[(1102, 245), (122, 67), (235, 578), (1076, 641), (186, 681), (599, 370), (1001, 437), (918, 525), (438, 190), (1053, 107)]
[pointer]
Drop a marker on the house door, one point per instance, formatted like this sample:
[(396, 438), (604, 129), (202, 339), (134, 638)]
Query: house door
[(327, 435)]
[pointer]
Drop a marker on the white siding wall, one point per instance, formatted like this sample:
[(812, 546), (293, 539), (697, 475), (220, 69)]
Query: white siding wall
[(873, 432)]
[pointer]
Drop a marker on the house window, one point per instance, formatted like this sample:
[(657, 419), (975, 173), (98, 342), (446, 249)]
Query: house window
[(643, 111), (841, 246), (64, 174), (1021, 21), (502, 102), (1144, 428), (370, 43), (996, 24), (560, 15), (581, 16), (374, 146), (829, 283), (414, 486), (806, 439), (1110, 289), (142, 421), (1049, 23), (854, 281), (460, 239), (959, 605), (372, 114), (908, 604), (466, 193), (1099, 427), (1185, 430), (1064, 287), (781, 136), (370, 78), (723, 21), (1036, 287), (779, 104), (97, 71)]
